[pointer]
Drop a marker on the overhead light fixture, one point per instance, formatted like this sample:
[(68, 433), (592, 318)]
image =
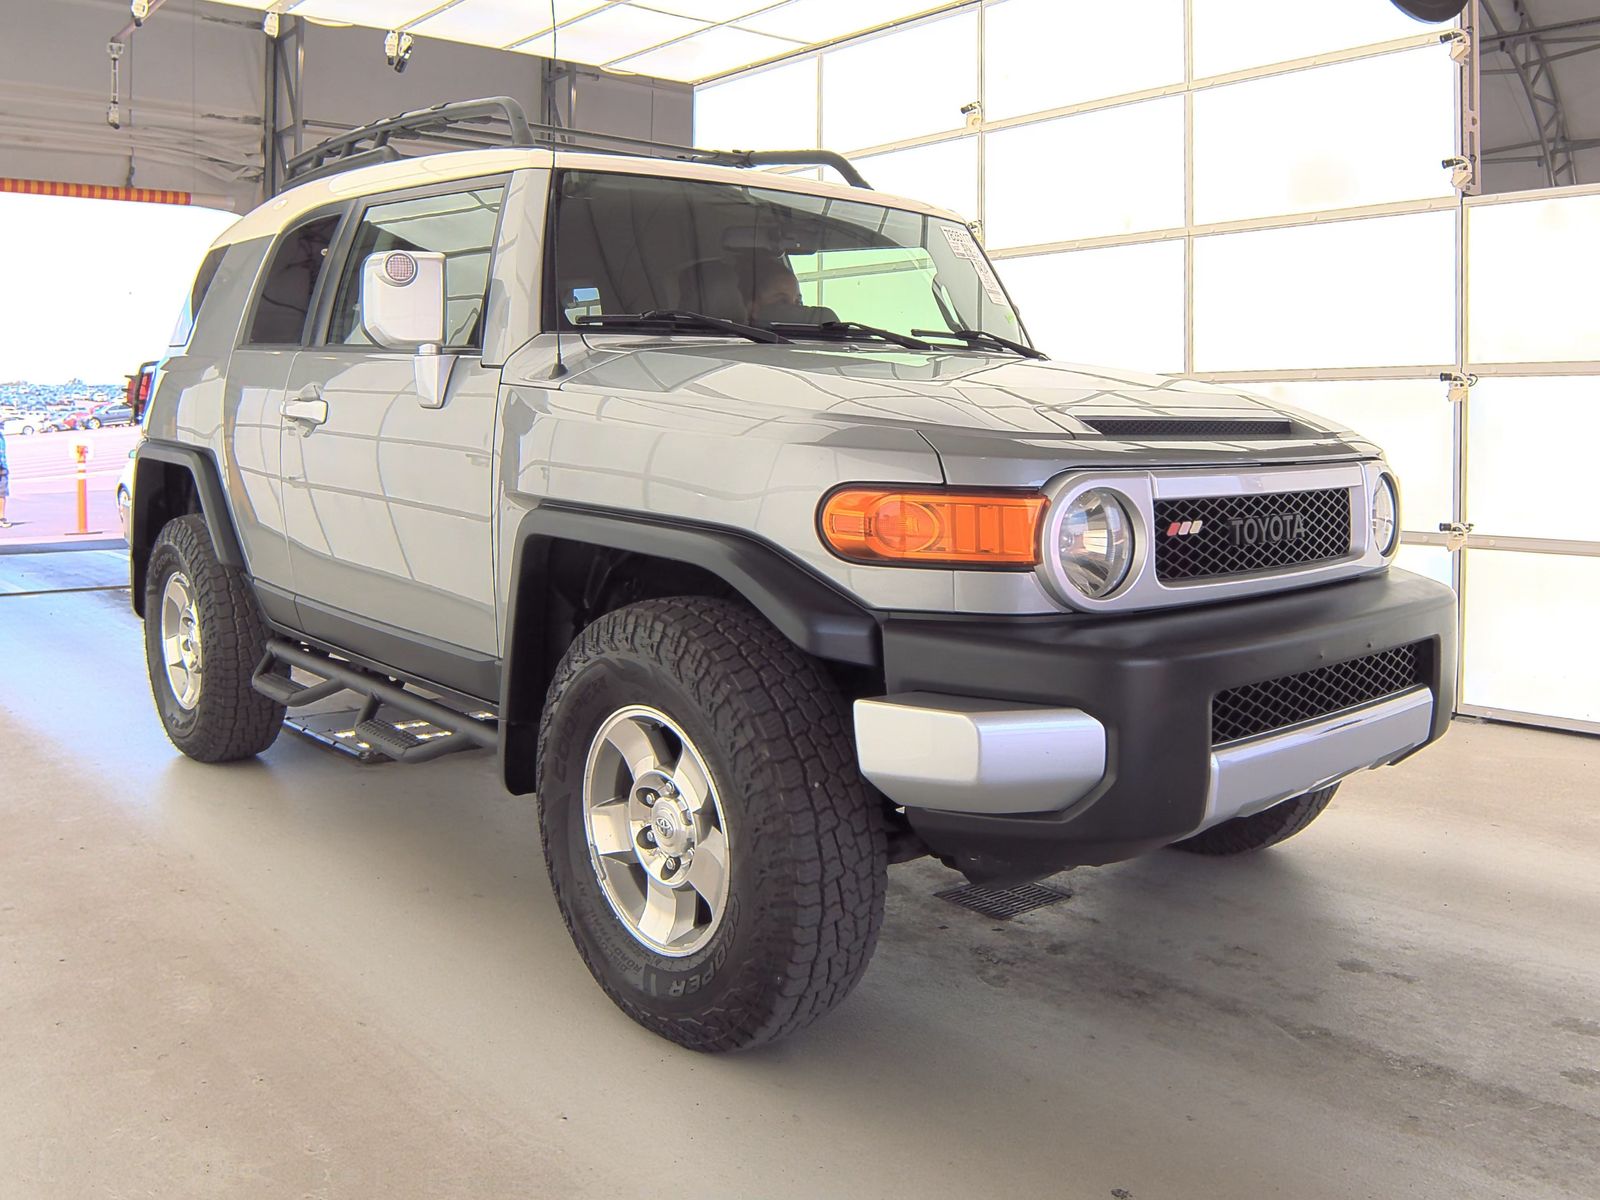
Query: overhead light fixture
[(114, 112), (141, 12), (270, 24), (397, 49)]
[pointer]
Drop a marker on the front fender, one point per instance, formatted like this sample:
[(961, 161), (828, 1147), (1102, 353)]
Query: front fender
[(810, 612), (170, 480)]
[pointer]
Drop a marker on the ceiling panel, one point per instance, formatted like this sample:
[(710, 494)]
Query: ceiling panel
[(619, 31), (387, 13), (717, 50), (687, 40), (816, 21), (498, 22), (715, 11)]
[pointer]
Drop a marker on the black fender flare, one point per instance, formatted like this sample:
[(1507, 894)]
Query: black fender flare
[(153, 506), (811, 612)]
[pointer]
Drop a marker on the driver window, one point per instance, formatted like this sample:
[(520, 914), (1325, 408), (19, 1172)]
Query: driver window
[(460, 225)]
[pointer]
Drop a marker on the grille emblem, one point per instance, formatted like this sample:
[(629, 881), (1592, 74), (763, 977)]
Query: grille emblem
[(1266, 531), (1184, 528)]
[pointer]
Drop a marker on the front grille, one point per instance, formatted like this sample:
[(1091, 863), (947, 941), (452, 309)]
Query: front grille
[(1243, 712), (1230, 535), (1182, 427)]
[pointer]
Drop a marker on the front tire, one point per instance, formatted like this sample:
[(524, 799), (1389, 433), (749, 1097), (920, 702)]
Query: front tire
[(204, 637), (716, 855), (1244, 835)]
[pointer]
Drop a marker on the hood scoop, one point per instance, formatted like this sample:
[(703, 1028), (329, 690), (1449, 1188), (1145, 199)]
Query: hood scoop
[(1225, 428)]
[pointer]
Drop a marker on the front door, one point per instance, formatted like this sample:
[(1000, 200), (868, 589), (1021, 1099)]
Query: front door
[(387, 502)]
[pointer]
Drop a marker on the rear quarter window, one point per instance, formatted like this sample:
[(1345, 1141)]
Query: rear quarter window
[(184, 329), (288, 285)]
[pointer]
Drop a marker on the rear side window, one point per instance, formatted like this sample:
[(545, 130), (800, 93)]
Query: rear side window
[(182, 331), (460, 225), (290, 282)]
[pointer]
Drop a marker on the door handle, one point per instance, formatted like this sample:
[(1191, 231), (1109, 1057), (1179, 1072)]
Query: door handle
[(307, 407)]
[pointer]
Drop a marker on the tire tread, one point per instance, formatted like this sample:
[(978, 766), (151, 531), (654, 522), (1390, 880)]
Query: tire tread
[(749, 678), (1243, 835), (233, 721)]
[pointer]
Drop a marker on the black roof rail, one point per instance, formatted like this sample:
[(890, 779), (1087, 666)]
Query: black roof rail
[(497, 121)]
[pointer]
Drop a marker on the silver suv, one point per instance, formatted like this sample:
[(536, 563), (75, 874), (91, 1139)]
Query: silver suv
[(736, 513)]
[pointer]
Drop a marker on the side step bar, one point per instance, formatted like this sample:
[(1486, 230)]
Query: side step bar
[(399, 744)]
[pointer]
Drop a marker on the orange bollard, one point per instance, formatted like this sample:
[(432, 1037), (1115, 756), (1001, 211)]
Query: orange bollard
[(83, 489), (82, 452)]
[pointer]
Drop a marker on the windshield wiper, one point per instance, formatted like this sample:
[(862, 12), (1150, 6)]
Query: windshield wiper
[(977, 336), (680, 318), (845, 327)]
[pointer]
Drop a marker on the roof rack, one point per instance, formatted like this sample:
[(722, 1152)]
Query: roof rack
[(499, 121)]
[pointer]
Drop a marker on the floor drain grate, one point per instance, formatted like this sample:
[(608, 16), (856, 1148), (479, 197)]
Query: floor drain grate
[(1003, 903)]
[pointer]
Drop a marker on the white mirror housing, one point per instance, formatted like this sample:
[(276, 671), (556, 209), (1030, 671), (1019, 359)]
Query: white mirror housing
[(402, 298)]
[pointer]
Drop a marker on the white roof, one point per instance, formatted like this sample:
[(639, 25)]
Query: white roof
[(687, 40), (289, 206)]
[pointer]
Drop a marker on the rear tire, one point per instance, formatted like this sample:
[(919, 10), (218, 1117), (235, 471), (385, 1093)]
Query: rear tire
[(204, 637), (802, 865), (1243, 835)]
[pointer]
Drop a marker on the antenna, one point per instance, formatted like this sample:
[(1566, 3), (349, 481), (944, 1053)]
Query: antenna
[(550, 198)]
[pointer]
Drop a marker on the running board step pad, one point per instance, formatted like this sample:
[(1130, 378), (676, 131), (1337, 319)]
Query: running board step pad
[(404, 746), (386, 739)]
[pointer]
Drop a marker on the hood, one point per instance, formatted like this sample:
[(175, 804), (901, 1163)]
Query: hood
[(972, 406)]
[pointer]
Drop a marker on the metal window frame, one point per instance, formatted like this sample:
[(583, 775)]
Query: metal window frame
[(1458, 203)]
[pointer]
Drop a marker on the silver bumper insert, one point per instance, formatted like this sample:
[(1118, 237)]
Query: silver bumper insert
[(956, 753), (1250, 776)]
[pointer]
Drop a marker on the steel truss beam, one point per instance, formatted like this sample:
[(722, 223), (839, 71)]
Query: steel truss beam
[(283, 118), (1531, 61)]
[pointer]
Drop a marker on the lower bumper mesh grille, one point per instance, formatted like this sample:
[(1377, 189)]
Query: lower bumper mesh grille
[(1257, 708)]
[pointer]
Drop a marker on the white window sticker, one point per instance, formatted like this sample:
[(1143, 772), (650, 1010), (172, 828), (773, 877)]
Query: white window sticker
[(963, 245)]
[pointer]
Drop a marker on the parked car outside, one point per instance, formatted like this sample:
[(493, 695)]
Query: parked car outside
[(140, 385), (24, 426), (115, 413), (125, 490)]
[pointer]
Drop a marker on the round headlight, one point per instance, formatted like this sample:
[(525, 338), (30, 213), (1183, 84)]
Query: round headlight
[(1386, 515), (1095, 546)]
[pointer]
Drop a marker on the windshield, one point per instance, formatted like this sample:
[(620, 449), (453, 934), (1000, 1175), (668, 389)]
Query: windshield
[(805, 265)]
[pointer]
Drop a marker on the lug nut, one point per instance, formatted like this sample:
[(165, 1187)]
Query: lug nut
[(649, 836), (672, 864)]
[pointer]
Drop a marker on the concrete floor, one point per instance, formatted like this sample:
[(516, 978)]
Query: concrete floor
[(305, 977)]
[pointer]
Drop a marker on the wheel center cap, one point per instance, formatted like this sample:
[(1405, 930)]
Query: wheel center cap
[(674, 835)]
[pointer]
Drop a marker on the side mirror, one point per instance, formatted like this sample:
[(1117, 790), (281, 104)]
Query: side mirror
[(402, 299)]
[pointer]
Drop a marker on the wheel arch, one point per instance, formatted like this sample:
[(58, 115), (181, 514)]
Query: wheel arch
[(571, 565), (172, 481)]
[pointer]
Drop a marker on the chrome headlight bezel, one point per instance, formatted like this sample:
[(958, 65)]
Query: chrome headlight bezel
[(1385, 487), (1121, 526)]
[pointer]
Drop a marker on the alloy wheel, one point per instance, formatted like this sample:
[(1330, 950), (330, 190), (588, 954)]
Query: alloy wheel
[(657, 835)]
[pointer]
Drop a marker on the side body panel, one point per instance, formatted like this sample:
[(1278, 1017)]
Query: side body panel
[(225, 402), (388, 503)]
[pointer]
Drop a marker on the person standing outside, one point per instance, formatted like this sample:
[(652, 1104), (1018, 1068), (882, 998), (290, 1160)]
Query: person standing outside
[(5, 481)]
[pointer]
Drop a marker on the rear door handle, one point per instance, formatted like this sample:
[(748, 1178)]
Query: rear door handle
[(308, 407)]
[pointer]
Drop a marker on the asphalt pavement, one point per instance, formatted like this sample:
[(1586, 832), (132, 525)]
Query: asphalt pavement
[(43, 506)]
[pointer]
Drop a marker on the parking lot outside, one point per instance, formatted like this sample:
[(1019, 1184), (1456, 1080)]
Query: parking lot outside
[(44, 484)]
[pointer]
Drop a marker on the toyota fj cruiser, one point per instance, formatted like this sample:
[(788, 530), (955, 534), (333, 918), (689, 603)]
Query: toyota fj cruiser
[(736, 513)]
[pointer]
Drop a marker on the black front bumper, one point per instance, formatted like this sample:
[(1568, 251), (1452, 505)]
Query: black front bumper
[(1149, 679)]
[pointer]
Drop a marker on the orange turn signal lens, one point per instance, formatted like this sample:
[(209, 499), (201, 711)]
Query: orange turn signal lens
[(934, 528)]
